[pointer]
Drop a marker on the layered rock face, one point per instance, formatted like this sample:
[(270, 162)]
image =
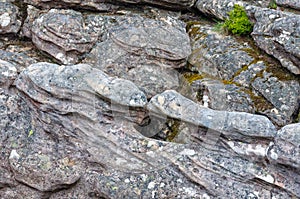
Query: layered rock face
[(146, 102), (107, 5)]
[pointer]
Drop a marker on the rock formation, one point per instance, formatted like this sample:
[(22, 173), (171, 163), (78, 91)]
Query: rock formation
[(148, 99)]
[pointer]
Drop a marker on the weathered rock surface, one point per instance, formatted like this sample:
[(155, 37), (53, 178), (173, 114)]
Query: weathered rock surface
[(221, 96), (8, 73), (63, 34), (221, 57), (275, 32), (234, 124), (100, 157), (217, 55), (9, 18), (19, 60), (78, 131), (284, 95), (145, 51), (278, 34), (289, 3), (106, 5), (285, 149)]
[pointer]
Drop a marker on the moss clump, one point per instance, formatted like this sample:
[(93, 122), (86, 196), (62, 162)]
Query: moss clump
[(272, 5), (238, 22)]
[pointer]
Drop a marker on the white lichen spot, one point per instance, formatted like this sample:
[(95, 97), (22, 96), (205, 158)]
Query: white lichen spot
[(161, 100), (59, 56), (151, 185), (205, 101), (275, 111), (14, 154), (179, 180), (162, 185), (4, 19), (188, 152), (257, 150), (189, 191), (205, 196), (175, 106), (267, 178), (144, 177), (126, 180), (273, 155), (151, 143)]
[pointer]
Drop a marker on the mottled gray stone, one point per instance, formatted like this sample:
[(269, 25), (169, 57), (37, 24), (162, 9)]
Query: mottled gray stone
[(8, 73), (142, 50), (285, 149), (19, 60), (72, 131), (284, 95), (247, 76), (106, 5), (63, 34), (9, 18), (225, 97), (277, 33), (289, 3), (218, 55), (99, 156), (232, 124), (80, 77)]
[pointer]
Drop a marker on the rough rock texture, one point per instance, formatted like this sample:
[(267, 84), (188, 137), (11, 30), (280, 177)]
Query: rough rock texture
[(285, 149), (289, 3), (278, 34), (275, 32), (142, 50), (9, 19), (217, 55), (106, 5), (284, 95), (259, 87), (63, 34), (98, 156), (110, 127), (234, 124), (221, 96), (19, 60)]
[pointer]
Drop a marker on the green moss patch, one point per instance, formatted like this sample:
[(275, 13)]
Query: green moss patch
[(238, 22)]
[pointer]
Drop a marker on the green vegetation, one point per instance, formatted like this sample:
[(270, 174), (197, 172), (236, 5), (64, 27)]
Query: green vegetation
[(30, 133), (219, 27), (272, 5), (238, 22)]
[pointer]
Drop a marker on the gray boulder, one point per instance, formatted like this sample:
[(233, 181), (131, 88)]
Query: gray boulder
[(142, 50), (9, 18), (221, 96), (277, 33), (284, 95), (289, 3), (63, 34), (285, 149), (274, 31), (231, 124), (218, 55), (66, 134), (270, 89)]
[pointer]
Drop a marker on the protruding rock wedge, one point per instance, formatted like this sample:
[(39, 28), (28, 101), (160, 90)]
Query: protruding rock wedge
[(231, 124)]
